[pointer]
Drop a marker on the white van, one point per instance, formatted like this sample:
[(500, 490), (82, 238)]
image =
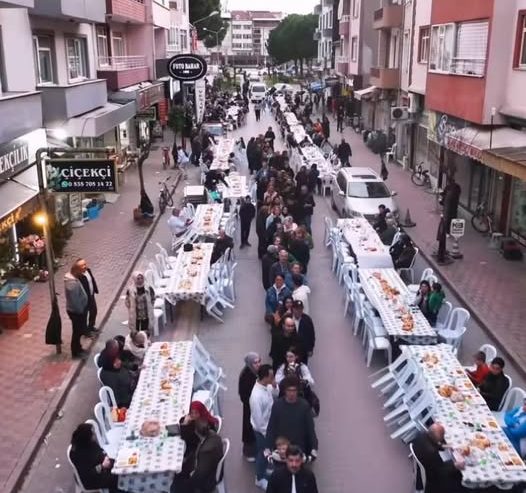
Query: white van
[(257, 92)]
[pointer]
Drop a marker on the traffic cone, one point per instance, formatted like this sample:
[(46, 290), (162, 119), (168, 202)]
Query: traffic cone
[(408, 222)]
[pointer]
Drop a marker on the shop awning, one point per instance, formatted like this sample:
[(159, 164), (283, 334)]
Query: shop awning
[(365, 93), (99, 121), (509, 160), (15, 193), (472, 141)]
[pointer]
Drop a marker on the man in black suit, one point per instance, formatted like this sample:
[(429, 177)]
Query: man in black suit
[(89, 284), (305, 330), (294, 477), (441, 476), (247, 212)]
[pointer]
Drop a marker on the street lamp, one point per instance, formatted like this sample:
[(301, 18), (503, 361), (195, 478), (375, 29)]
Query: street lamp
[(217, 39), (211, 14)]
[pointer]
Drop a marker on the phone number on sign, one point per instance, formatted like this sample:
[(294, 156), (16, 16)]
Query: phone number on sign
[(86, 184)]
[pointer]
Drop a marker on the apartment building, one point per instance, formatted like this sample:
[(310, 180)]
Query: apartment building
[(79, 74), (179, 40), (247, 34), (324, 34)]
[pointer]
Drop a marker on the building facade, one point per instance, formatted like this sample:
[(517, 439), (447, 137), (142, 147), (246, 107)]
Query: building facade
[(324, 35)]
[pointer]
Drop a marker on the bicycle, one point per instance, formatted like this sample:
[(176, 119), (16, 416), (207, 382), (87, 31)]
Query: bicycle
[(420, 176), (165, 196), (482, 220)]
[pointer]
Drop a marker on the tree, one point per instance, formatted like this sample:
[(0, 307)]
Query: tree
[(293, 39), (200, 9), (176, 120)]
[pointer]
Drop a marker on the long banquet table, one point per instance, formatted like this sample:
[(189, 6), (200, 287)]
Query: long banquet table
[(222, 151), (492, 460), (163, 394), (365, 243), (207, 219), (237, 188), (392, 300), (190, 274)]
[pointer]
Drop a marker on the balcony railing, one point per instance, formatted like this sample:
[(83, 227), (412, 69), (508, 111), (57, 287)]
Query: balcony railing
[(342, 59), (121, 62)]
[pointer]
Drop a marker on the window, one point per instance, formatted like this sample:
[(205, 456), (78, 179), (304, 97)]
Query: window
[(184, 38), (76, 58), (119, 45), (368, 190), (354, 48), (355, 8), (441, 47), (423, 45), (173, 36), (43, 53), (102, 45), (520, 49), (470, 49)]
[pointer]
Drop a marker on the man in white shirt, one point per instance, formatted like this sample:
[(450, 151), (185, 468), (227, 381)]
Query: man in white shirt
[(264, 392), (178, 223), (301, 292), (182, 158)]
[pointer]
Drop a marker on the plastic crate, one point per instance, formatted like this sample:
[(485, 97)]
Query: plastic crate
[(14, 321), (93, 213), (10, 304)]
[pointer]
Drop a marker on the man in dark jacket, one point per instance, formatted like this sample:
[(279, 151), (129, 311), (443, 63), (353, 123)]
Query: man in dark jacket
[(221, 245), (494, 386), (207, 456), (305, 207), (305, 330), (247, 212), (196, 150), (291, 417), (441, 476), (281, 479), (270, 136), (326, 126), (344, 153), (340, 115), (76, 308), (282, 266), (267, 261), (283, 338), (89, 284), (251, 147)]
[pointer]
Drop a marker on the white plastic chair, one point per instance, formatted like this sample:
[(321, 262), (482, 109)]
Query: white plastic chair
[(419, 414), (459, 318), (490, 352), (508, 390), (170, 259), (99, 372), (79, 487), (390, 372), (165, 270), (426, 273), (419, 472), (107, 396), (110, 432), (374, 337), (208, 397), (96, 360), (453, 338), (220, 486), (443, 315), (514, 397), (158, 281), (111, 448), (408, 272)]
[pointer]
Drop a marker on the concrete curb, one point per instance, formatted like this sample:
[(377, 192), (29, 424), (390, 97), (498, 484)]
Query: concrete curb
[(17, 477), (510, 355)]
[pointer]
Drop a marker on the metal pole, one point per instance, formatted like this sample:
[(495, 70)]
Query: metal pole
[(491, 132)]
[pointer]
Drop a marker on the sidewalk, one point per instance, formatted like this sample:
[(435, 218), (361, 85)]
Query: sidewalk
[(492, 288), (34, 378)]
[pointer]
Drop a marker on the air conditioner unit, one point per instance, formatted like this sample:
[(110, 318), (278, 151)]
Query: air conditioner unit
[(399, 113), (414, 103)]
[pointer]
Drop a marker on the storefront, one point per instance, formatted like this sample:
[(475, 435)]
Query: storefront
[(19, 198)]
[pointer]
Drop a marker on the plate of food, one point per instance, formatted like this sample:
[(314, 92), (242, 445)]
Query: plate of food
[(480, 441), (150, 428), (127, 457), (511, 460), (446, 390), (430, 359)]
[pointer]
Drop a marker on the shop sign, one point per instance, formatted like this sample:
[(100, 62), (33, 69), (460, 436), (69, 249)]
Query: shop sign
[(14, 157), (149, 114), (463, 148), (200, 100), (457, 228), (187, 67), (149, 96), (81, 175)]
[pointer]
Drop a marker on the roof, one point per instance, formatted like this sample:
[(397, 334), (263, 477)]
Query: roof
[(249, 15), (361, 173)]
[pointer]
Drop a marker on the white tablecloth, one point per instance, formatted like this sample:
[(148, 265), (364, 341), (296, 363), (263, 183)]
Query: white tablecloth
[(223, 149), (163, 393), (463, 420), (366, 244), (312, 154), (391, 301), (190, 274), (237, 189), (207, 219)]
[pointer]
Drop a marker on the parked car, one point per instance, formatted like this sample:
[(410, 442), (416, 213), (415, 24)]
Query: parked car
[(258, 91), (359, 192)]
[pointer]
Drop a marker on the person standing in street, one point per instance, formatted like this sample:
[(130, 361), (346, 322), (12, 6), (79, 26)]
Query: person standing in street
[(196, 149), (271, 137), (262, 397), (326, 127), (451, 196), (340, 115), (90, 286), (294, 477), (246, 382), (257, 111), (77, 308), (247, 212), (344, 153)]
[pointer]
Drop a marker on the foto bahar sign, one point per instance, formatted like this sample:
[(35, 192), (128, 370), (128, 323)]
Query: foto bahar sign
[(81, 175), (187, 67)]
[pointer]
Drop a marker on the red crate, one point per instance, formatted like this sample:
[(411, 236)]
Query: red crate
[(15, 320)]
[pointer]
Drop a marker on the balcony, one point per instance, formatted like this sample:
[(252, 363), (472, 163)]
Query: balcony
[(345, 22), (21, 113), (160, 15), (342, 64), (76, 10), (327, 2), (385, 78), (388, 17), (123, 71), (61, 103), (17, 3), (133, 11), (317, 34)]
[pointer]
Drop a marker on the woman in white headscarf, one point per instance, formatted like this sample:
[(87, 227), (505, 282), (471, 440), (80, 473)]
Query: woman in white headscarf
[(137, 344), (247, 379), (140, 299)]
